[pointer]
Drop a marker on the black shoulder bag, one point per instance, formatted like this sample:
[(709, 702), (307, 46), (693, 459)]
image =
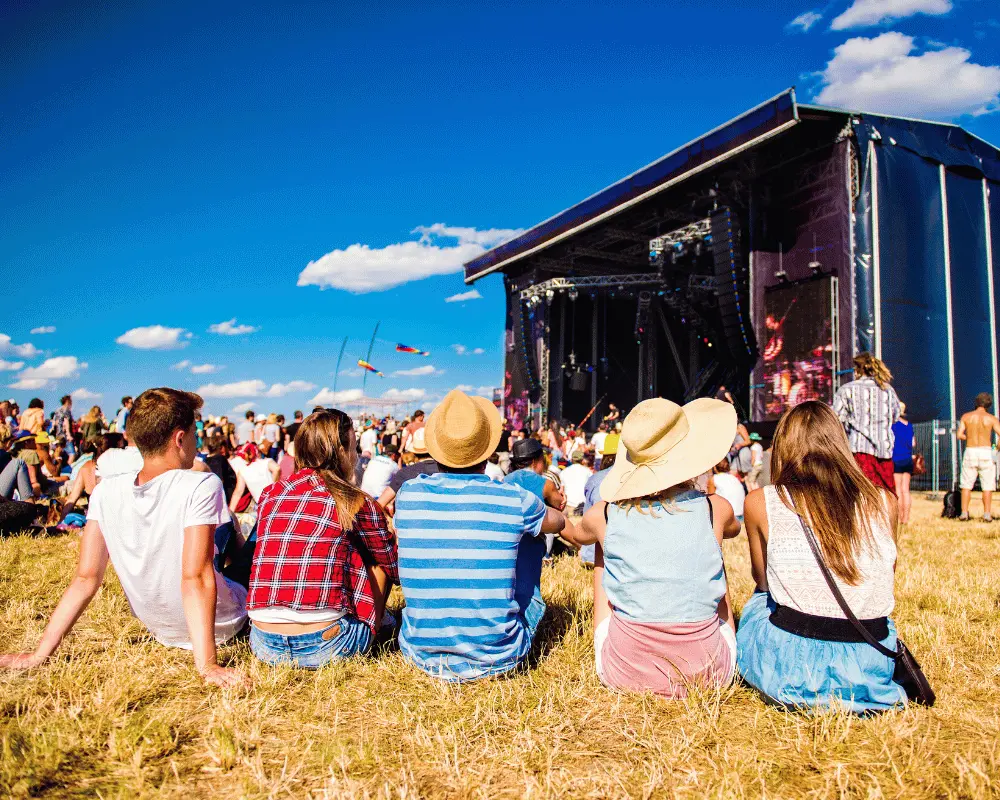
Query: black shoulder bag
[(907, 672)]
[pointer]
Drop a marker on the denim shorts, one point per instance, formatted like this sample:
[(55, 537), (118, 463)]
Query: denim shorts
[(342, 639)]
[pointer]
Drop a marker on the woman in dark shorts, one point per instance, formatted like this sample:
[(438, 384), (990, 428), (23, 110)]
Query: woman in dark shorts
[(902, 462)]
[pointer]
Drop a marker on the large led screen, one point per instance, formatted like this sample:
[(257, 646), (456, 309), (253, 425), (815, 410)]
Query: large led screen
[(800, 356)]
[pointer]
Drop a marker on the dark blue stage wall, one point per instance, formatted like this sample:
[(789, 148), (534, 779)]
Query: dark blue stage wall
[(916, 249), (994, 189)]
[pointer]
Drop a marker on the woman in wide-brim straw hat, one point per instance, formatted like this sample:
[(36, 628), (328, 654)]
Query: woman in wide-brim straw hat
[(662, 618)]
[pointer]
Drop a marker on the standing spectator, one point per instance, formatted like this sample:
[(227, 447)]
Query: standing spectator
[(756, 462), (574, 480), (319, 524), (727, 486), (598, 442), (33, 419), (976, 429), (379, 472), (92, 425), (218, 461), (867, 408), (469, 612), (368, 440), (902, 462), (62, 423), (292, 429), (795, 644), (121, 420), (412, 428), (244, 431)]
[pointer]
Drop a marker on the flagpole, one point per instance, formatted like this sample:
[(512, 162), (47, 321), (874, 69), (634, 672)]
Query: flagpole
[(336, 375), (368, 358)]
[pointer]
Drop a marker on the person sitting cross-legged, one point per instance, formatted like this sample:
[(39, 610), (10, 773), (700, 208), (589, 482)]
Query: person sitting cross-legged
[(468, 612), (157, 526), (662, 617)]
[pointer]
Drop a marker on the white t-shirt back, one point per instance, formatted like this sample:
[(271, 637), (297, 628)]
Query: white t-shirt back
[(119, 462), (258, 476), (729, 487), (377, 475), (368, 441), (143, 528), (272, 432), (574, 481), (244, 432)]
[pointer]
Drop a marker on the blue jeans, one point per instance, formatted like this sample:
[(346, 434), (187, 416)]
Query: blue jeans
[(344, 638), (15, 476)]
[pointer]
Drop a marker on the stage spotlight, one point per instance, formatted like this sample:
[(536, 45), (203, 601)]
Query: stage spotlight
[(573, 294)]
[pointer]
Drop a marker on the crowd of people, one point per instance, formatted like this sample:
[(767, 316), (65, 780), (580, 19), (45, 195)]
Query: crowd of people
[(294, 534)]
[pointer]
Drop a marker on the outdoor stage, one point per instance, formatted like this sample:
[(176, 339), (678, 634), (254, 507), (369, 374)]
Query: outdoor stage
[(762, 257)]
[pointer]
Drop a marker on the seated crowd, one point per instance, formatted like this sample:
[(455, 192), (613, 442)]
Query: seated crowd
[(286, 539)]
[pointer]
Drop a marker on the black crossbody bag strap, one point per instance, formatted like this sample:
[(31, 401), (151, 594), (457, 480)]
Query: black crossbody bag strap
[(835, 591)]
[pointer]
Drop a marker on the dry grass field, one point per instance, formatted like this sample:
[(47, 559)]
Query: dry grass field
[(116, 715)]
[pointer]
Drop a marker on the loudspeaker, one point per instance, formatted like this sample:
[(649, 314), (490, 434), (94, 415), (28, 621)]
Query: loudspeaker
[(732, 287), (578, 381)]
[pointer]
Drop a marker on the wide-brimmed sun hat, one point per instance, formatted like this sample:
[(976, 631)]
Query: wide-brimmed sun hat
[(667, 444), (463, 431)]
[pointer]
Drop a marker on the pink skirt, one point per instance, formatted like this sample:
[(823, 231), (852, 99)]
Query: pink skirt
[(664, 659)]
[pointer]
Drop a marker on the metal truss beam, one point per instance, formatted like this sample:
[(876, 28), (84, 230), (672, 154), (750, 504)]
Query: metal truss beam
[(588, 282)]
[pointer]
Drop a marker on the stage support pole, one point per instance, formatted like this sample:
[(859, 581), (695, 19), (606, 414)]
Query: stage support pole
[(989, 276), (556, 371), (948, 305), (593, 357), (673, 347), (876, 244)]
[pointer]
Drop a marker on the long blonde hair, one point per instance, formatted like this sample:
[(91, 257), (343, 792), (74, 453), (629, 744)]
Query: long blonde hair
[(868, 366), (663, 499), (812, 461), (94, 415), (322, 443)]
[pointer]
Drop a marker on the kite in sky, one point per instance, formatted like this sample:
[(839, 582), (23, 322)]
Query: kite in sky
[(402, 348), (365, 365)]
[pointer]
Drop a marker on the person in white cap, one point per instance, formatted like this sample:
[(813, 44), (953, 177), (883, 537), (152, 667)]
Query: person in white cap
[(662, 618)]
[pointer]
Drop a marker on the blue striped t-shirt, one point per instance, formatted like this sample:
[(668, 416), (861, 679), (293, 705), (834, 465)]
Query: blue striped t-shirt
[(458, 542)]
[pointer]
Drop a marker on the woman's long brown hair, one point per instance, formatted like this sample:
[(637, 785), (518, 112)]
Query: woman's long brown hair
[(812, 460), (322, 443)]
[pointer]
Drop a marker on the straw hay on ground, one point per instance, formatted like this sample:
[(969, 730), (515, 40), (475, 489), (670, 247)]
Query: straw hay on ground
[(117, 715)]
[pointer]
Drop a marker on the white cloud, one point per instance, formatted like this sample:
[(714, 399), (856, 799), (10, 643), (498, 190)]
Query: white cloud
[(242, 408), (881, 75), (865, 13), (204, 369), (804, 21), (466, 387), (478, 351), (43, 329), (360, 268), (230, 328), (460, 349), (253, 388), (416, 372), (404, 394), (281, 389), (472, 294), (85, 394), (26, 350), (353, 372), (154, 337), (181, 364), (48, 372), (328, 397), (11, 366)]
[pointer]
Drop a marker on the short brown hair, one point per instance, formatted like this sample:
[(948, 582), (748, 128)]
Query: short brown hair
[(984, 400), (156, 414)]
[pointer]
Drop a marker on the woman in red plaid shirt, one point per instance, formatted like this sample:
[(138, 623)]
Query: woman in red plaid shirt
[(325, 558)]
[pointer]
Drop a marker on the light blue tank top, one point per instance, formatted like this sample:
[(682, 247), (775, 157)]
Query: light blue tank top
[(667, 568)]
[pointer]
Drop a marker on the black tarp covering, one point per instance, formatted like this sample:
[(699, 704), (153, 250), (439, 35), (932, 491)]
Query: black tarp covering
[(970, 289)]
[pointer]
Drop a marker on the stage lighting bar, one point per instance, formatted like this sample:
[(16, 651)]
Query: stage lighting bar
[(534, 294), (696, 231)]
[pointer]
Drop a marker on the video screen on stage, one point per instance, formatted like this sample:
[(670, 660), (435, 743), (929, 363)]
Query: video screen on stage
[(799, 355)]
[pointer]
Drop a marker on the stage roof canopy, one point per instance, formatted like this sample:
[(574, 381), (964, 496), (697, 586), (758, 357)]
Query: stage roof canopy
[(613, 227)]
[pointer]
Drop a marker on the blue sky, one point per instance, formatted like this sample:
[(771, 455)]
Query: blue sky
[(305, 170)]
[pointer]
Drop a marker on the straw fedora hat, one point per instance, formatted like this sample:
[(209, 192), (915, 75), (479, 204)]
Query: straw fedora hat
[(667, 444), (463, 431)]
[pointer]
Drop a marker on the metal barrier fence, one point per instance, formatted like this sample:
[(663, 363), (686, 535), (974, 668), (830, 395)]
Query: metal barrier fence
[(942, 453)]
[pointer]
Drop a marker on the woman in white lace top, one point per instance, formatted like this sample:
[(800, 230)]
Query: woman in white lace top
[(795, 643)]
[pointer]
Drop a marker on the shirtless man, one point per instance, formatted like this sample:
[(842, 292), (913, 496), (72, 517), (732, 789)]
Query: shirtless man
[(976, 429)]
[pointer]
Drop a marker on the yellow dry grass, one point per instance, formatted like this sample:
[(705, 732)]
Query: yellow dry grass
[(116, 715)]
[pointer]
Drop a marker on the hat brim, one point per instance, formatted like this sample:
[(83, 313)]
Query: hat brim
[(496, 431), (712, 429)]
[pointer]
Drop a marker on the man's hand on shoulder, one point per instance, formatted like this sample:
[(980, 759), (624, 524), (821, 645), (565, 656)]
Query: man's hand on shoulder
[(225, 677)]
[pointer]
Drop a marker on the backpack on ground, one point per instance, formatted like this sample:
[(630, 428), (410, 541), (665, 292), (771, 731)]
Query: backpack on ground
[(952, 505)]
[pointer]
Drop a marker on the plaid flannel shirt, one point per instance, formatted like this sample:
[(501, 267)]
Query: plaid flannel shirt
[(306, 561)]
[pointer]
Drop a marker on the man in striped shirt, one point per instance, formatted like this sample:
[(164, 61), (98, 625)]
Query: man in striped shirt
[(459, 536)]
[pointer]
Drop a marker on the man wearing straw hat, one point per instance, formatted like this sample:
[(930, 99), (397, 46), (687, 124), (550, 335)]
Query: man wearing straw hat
[(470, 609)]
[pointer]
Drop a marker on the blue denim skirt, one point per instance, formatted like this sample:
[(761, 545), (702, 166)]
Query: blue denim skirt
[(797, 672), (342, 639)]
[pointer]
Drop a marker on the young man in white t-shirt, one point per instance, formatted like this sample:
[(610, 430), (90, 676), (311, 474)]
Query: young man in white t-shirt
[(157, 526)]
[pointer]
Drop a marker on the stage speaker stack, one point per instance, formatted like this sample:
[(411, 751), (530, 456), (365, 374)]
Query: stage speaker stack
[(732, 288), (578, 381)]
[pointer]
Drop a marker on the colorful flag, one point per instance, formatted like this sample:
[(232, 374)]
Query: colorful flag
[(365, 365), (403, 348)]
